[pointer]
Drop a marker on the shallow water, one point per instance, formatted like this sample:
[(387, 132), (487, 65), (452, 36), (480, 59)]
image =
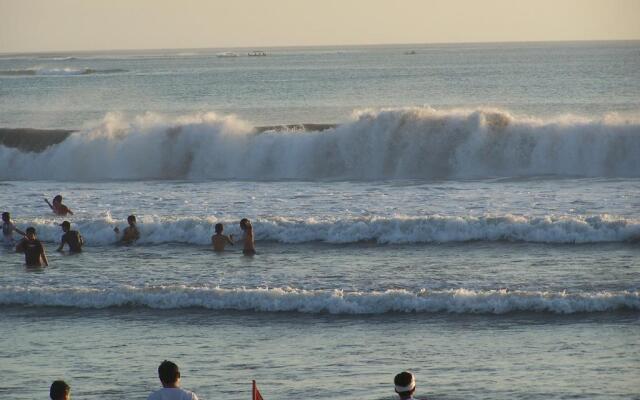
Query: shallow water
[(113, 353), (328, 309)]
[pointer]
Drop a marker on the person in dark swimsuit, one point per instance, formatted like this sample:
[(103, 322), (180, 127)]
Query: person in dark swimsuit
[(34, 255), (72, 238)]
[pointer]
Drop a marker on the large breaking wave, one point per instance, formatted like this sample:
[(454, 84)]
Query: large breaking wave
[(383, 230), (418, 143), (458, 301)]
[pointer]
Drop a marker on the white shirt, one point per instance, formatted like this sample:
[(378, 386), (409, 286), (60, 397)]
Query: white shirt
[(172, 394)]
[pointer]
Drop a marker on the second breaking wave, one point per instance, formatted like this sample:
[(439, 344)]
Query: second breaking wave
[(383, 230)]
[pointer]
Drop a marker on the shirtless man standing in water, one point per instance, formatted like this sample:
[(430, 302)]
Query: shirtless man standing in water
[(130, 233), (249, 248), (71, 238), (33, 250), (219, 241)]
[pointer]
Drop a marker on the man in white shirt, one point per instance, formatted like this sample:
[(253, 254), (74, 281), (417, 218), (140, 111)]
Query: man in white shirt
[(405, 385), (169, 375)]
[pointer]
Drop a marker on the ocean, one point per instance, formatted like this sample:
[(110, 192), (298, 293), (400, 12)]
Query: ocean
[(468, 212)]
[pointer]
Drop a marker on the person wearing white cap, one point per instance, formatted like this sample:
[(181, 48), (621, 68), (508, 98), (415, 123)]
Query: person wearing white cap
[(405, 385)]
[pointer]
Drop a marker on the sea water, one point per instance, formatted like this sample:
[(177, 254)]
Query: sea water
[(473, 218)]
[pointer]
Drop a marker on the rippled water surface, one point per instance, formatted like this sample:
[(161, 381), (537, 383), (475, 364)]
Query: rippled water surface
[(489, 243)]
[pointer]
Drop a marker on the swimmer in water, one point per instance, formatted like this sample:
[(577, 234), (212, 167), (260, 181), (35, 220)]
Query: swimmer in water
[(249, 248), (34, 255), (72, 238), (130, 233), (219, 241), (58, 208), (8, 227)]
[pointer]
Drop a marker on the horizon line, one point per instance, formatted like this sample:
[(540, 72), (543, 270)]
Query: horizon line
[(319, 46)]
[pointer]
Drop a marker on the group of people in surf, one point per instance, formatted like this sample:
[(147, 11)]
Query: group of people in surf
[(169, 373), (34, 251)]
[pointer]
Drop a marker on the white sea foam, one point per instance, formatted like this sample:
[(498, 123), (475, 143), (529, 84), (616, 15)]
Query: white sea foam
[(459, 301), (64, 71), (401, 143), (399, 229), (57, 58)]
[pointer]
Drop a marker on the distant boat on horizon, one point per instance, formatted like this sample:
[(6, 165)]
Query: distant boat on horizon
[(410, 52), (227, 54), (256, 53)]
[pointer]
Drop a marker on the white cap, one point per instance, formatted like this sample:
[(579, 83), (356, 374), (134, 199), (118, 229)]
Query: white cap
[(409, 387)]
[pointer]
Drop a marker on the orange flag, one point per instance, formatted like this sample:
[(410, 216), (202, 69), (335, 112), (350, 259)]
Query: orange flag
[(255, 393)]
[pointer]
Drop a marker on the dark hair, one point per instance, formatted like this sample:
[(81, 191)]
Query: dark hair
[(219, 228), (404, 379), (168, 372), (65, 223), (131, 218), (245, 223), (57, 198), (58, 390), (6, 216), (30, 229)]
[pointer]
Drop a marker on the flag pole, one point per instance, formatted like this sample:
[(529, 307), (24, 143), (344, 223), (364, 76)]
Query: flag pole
[(255, 393)]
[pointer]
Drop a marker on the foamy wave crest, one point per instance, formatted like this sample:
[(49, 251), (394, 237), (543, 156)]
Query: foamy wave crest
[(58, 58), (401, 143), (67, 71), (459, 301), (399, 229)]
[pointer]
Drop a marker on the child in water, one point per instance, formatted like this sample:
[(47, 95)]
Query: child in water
[(219, 241), (249, 248), (58, 208)]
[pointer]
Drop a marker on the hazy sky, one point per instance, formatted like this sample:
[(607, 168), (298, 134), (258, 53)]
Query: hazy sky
[(50, 25)]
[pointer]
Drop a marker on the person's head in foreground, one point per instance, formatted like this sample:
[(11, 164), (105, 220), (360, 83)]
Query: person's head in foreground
[(6, 217), (57, 199), (66, 226), (59, 391), (169, 374), (405, 385), (31, 233), (131, 219), (219, 228)]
